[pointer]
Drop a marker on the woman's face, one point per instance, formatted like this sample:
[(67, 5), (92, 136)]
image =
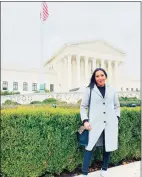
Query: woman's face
[(100, 78)]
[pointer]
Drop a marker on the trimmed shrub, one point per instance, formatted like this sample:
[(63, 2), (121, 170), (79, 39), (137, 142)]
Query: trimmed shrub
[(36, 102), (129, 103), (79, 101), (37, 91), (47, 91), (130, 136), (8, 93), (10, 102), (49, 101), (36, 140), (128, 99)]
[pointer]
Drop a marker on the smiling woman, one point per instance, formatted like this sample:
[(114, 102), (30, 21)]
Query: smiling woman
[(102, 121)]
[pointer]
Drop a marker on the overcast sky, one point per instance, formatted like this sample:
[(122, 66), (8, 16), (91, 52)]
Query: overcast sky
[(116, 22)]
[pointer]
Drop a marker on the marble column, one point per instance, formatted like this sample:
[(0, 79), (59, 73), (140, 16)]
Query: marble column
[(97, 64), (64, 73), (102, 64), (78, 70), (94, 64)]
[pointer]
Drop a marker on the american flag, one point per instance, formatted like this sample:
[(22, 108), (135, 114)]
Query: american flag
[(44, 12)]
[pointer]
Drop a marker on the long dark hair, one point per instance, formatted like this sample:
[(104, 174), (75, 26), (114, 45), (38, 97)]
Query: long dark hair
[(93, 80)]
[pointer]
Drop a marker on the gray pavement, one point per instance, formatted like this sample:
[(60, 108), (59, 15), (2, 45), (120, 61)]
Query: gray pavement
[(128, 170)]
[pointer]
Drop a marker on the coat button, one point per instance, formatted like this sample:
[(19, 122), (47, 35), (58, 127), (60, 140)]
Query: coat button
[(103, 103), (104, 121), (104, 112)]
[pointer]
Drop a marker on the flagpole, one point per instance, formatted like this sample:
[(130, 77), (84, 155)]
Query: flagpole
[(41, 50)]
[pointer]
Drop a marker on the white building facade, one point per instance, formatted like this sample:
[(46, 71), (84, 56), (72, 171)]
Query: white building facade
[(70, 68), (24, 80), (74, 64)]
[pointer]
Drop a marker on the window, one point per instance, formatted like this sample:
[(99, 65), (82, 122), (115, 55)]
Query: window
[(137, 89), (132, 89), (25, 86), (121, 89), (51, 87), (127, 89), (34, 87), (5, 85), (15, 85)]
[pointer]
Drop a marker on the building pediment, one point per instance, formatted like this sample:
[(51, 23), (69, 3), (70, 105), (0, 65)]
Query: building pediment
[(99, 46), (92, 47)]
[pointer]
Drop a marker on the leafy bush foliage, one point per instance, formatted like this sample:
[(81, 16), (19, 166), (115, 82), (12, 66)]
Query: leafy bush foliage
[(36, 140)]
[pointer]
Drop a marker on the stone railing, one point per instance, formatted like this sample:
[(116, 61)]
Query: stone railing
[(69, 97), (129, 94)]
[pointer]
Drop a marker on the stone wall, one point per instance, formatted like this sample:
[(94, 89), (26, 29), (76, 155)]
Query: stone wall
[(69, 97)]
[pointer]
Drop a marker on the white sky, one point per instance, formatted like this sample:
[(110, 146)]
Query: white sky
[(116, 22)]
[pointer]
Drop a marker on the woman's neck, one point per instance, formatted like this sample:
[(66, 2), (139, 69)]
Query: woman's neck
[(100, 85)]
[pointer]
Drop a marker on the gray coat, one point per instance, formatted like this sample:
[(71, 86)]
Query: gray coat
[(103, 116)]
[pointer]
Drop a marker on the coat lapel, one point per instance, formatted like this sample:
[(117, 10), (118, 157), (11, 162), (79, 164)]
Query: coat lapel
[(99, 93), (106, 91)]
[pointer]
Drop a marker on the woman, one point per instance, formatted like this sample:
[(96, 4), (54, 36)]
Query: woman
[(103, 119)]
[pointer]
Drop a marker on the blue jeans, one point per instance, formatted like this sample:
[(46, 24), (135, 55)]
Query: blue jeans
[(87, 159)]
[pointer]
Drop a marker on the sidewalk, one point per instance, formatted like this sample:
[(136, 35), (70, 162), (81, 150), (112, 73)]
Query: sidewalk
[(129, 170)]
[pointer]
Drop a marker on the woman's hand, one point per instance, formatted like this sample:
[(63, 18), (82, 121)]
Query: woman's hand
[(87, 126)]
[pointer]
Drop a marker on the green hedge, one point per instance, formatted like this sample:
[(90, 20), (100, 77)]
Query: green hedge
[(36, 102), (50, 101), (10, 102), (36, 141), (8, 93)]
